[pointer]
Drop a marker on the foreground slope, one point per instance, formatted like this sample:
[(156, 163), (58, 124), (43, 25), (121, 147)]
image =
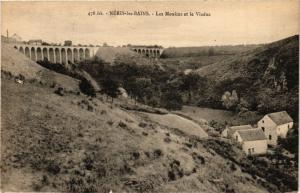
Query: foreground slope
[(74, 143)]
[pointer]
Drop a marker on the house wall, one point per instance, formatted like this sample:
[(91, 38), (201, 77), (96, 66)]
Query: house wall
[(260, 147), (269, 129), (224, 133), (237, 137), (283, 129)]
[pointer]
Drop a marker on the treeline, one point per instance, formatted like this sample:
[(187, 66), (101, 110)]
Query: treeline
[(148, 84), (174, 52)]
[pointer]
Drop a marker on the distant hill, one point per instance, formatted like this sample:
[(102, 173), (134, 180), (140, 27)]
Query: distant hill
[(194, 62), (175, 52), (265, 77), (109, 54)]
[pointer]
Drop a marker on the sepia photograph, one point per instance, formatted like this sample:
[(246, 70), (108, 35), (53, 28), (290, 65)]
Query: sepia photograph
[(150, 96)]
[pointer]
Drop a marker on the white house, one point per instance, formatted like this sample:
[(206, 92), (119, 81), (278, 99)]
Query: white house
[(229, 131), (275, 125), (253, 141)]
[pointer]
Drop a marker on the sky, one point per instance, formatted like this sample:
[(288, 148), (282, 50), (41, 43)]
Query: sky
[(230, 22)]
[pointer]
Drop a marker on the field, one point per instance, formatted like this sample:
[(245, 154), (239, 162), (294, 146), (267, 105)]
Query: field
[(220, 116)]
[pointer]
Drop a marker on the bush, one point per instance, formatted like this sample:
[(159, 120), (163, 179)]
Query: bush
[(59, 91), (157, 153), (88, 163), (53, 167)]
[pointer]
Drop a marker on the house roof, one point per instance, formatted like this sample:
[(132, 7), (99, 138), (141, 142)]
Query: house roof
[(280, 117), (233, 129), (252, 134)]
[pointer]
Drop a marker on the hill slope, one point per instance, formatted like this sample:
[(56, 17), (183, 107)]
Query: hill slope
[(109, 54), (17, 64), (270, 71), (73, 143)]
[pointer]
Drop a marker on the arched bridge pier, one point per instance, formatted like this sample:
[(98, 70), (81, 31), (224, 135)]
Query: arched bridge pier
[(56, 54), (150, 52)]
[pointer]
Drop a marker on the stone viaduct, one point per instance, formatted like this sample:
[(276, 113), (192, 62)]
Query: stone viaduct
[(56, 54), (148, 51)]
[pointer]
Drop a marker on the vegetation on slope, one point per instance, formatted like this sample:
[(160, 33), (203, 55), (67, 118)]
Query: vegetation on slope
[(74, 143), (268, 72)]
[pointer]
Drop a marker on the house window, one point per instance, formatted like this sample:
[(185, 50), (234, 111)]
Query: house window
[(288, 126), (262, 121), (270, 137), (263, 129), (249, 151), (236, 137), (252, 150)]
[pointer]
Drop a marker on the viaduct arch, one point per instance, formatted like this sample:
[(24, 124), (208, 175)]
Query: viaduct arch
[(56, 54), (149, 52)]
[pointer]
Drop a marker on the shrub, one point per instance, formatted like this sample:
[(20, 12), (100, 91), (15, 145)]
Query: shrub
[(157, 153), (88, 163), (59, 91), (53, 167), (167, 140), (142, 124), (122, 125)]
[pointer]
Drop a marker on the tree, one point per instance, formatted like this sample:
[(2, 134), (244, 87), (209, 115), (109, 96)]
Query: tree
[(171, 99), (131, 87), (143, 86), (192, 82), (110, 87), (230, 100), (86, 87)]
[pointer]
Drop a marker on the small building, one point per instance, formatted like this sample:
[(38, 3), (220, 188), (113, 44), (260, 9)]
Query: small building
[(35, 42), (68, 43), (253, 141), (229, 131), (275, 125)]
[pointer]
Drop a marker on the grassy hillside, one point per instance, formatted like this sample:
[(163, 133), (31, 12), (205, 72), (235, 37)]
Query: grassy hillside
[(195, 62), (74, 143), (266, 78), (15, 64)]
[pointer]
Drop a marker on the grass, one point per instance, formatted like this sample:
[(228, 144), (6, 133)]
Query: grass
[(60, 146), (220, 116)]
